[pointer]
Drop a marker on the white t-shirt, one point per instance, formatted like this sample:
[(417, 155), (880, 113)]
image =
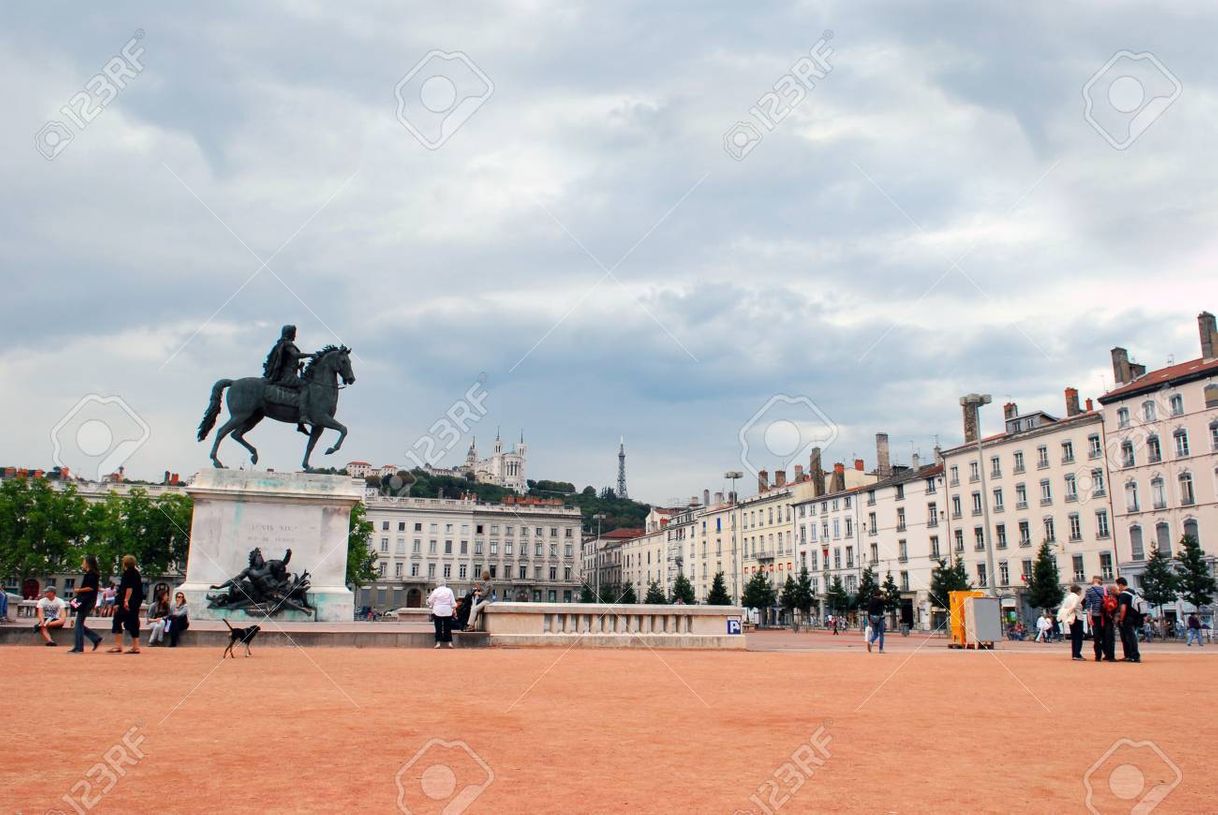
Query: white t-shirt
[(1043, 624), (442, 601), (52, 609)]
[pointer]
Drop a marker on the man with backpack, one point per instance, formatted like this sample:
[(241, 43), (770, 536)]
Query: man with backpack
[(1131, 607), (1099, 605)]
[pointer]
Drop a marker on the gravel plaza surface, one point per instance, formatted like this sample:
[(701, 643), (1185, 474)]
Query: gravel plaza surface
[(803, 722)]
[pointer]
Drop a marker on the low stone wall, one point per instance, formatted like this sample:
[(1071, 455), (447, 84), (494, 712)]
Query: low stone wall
[(615, 626)]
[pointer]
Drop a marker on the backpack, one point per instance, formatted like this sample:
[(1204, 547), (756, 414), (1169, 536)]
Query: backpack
[(1110, 605), (1137, 604)]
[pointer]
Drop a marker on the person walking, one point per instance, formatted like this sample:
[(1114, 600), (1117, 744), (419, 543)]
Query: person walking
[(1194, 630), (442, 604), (875, 618), (1128, 620), (86, 601), (1070, 616), (127, 608), (1042, 627)]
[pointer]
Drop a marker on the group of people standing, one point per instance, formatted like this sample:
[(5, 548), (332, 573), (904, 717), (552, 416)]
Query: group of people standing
[(449, 611), (1108, 611), (52, 611)]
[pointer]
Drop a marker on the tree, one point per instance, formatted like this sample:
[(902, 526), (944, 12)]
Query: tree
[(683, 591), (361, 560), (945, 579), (655, 595), (1045, 586), (586, 595), (868, 585), (628, 597), (1196, 584), (788, 598), (892, 593), (758, 593), (803, 592), (1159, 581), (718, 596), (39, 527), (836, 597)]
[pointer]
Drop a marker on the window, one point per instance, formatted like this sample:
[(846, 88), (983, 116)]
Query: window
[(1131, 497), (1071, 487), (902, 551), (1177, 405), (448, 547), (976, 503), (904, 581), (448, 570), (1211, 396), (1094, 449), (934, 546), (380, 569), (414, 569), (978, 538), (995, 467), (875, 553), (981, 576), (930, 482), (837, 557), (955, 506), (998, 500), (1004, 573), (1026, 570), (1000, 532), (1050, 530), (1123, 417), (1214, 435), (1042, 456), (955, 476), (384, 526), (959, 540), (385, 545), (974, 471), (431, 570), (1127, 457), (1046, 492), (1137, 550), (1106, 565), (1158, 494), (1101, 523), (900, 492), (463, 571), (1181, 439), (1154, 451), (1097, 483), (849, 557), (1187, 497), (900, 519), (932, 515), (1067, 452), (1021, 496), (1191, 530), (1163, 538), (397, 569), (1019, 461), (431, 547), (1079, 570), (1025, 533), (1148, 411), (1076, 527)]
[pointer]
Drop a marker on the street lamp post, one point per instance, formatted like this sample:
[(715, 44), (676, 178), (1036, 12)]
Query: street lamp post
[(600, 516), (977, 400), (733, 475)]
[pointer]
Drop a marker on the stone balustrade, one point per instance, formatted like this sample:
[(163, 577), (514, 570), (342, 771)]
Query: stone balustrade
[(614, 626)]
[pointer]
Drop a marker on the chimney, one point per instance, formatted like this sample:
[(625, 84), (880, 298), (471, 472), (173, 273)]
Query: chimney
[(799, 473), (1207, 327), (915, 461), (763, 481), (706, 498), (1010, 410), (1120, 366), (839, 478), (817, 472), (859, 464), (780, 478), (1090, 405), (1072, 408), (1136, 370), (883, 461), (718, 499), (971, 420)]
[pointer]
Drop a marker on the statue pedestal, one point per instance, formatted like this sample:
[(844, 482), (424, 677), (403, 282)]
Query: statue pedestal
[(238, 510)]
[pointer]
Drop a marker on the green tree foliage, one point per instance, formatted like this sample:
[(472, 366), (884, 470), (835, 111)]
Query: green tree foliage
[(620, 513), (718, 596), (554, 488), (1045, 587), (683, 591), (945, 579), (627, 595), (803, 592), (586, 595), (431, 485), (655, 595), (891, 592), (1159, 581), (39, 527), (1196, 584), (361, 559), (836, 598), (758, 593), (868, 585)]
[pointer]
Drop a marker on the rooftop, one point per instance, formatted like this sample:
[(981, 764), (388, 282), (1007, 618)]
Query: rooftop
[(1171, 375)]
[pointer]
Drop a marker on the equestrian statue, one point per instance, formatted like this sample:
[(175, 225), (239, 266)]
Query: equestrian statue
[(306, 399)]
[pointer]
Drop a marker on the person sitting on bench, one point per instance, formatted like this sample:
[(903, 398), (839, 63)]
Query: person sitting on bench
[(52, 613)]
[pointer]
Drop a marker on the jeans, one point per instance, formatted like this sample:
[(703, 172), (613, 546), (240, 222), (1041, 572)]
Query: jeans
[(444, 628), (81, 630), (1103, 635), (1076, 639), (1129, 642), (1195, 634), (877, 629), (3, 604)]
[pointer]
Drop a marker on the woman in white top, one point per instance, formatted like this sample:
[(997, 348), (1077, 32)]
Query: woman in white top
[(1070, 615), (442, 604), (1042, 628)]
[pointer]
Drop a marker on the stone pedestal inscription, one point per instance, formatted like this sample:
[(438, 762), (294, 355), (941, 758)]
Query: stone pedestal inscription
[(236, 511)]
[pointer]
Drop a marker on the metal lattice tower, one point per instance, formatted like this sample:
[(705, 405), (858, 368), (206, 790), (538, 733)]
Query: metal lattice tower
[(621, 469)]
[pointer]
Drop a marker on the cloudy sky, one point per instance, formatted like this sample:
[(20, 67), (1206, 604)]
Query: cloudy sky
[(634, 221)]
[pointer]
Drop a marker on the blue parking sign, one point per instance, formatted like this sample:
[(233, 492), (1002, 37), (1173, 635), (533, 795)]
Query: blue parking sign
[(733, 626)]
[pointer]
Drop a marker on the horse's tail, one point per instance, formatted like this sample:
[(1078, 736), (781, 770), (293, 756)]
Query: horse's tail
[(213, 408)]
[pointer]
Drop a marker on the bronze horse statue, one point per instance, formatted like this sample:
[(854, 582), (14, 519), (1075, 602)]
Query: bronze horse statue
[(253, 397)]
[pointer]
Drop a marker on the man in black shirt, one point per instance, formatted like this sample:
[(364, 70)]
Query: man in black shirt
[(875, 616), (127, 611), (1128, 621)]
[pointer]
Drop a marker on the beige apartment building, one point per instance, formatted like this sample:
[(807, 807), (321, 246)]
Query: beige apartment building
[(1162, 453), (1041, 479)]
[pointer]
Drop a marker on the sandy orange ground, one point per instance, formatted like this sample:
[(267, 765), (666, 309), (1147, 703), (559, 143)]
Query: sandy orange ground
[(919, 729)]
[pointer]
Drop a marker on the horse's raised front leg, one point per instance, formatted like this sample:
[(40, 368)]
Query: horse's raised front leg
[(334, 424)]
